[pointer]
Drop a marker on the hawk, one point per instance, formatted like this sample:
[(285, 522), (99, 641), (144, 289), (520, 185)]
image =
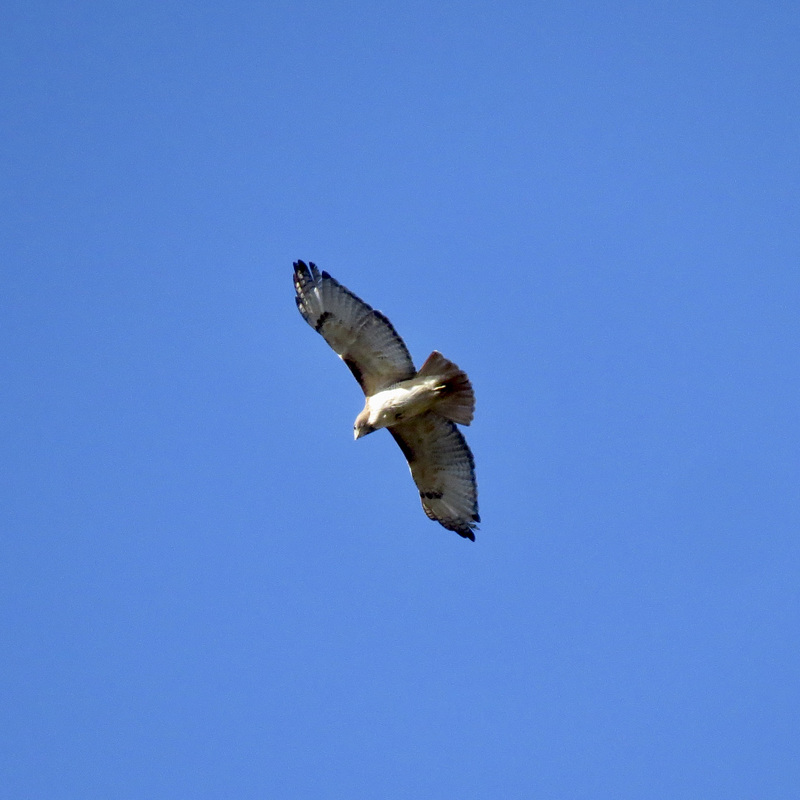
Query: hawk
[(420, 409)]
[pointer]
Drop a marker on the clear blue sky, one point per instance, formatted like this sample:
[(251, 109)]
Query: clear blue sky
[(208, 589)]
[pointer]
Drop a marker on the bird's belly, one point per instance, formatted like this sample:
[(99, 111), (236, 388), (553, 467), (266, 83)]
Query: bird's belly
[(401, 403)]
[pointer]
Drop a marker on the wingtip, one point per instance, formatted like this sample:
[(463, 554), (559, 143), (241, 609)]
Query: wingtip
[(301, 267), (465, 530)]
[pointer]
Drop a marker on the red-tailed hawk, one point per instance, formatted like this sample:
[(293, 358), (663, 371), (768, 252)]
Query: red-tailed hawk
[(419, 409)]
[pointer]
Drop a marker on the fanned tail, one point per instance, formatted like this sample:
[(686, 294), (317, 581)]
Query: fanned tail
[(456, 398)]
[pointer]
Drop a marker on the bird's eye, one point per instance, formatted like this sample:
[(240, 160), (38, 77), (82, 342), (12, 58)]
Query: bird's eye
[(398, 415)]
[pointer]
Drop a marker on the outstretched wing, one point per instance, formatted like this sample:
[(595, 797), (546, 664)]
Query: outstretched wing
[(442, 466), (362, 337)]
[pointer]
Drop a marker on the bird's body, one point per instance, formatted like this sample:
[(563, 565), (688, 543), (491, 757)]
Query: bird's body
[(439, 386), (419, 409), (405, 400)]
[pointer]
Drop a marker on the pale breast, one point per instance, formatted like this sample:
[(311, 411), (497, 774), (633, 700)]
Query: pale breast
[(406, 400)]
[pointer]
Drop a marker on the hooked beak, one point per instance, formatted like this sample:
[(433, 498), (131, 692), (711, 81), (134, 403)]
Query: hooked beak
[(362, 430)]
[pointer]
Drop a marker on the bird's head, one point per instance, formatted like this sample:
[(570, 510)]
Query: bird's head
[(362, 426)]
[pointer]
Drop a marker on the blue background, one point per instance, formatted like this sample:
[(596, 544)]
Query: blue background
[(207, 589)]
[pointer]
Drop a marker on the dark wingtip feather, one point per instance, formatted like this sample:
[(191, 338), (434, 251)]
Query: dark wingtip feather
[(306, 271)]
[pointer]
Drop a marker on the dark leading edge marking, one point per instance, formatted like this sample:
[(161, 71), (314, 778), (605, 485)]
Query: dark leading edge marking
[(323, 318), (355, 369), (403, 445)]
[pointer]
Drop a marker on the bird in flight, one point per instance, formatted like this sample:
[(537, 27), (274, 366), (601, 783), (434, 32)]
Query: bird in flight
[(420, 409)]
